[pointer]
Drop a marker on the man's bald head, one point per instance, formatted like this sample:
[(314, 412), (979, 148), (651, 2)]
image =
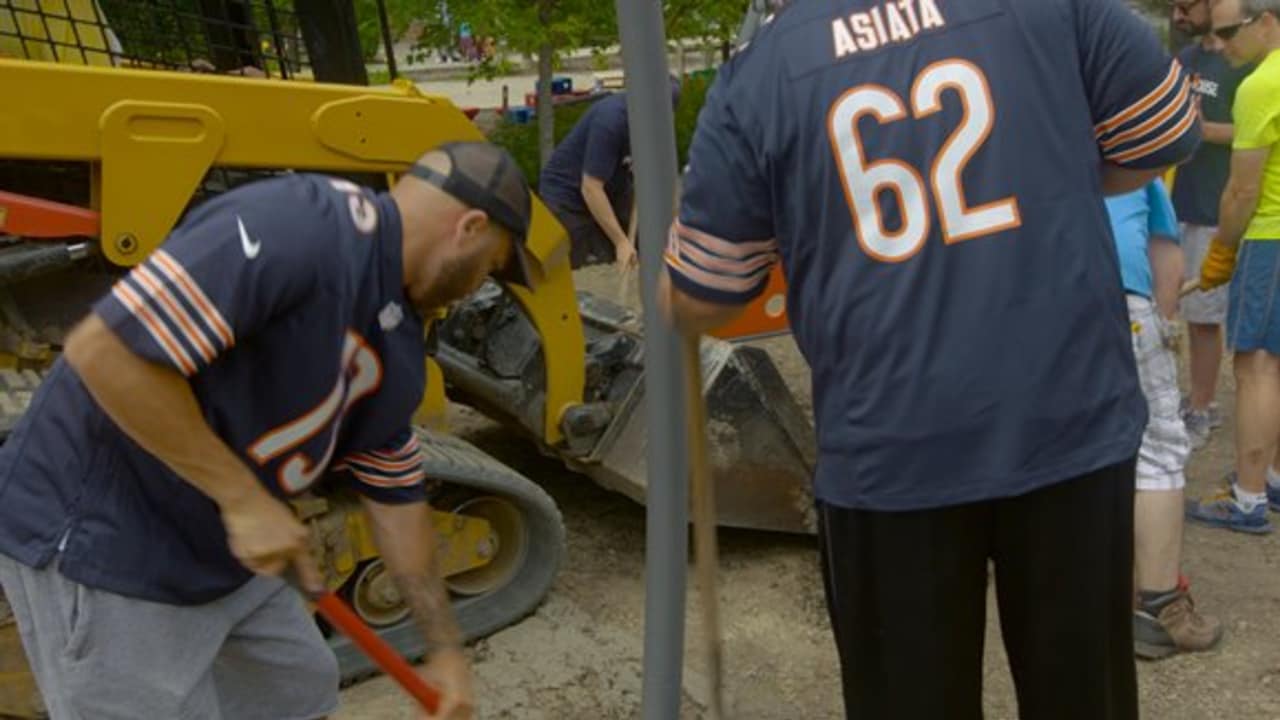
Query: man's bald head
[(467, 209)]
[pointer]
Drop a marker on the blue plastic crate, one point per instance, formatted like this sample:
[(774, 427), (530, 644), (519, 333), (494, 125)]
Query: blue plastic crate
[(559, 85), (520, 114)]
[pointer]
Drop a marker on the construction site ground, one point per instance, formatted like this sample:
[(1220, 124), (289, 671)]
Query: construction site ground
[(581, 654)]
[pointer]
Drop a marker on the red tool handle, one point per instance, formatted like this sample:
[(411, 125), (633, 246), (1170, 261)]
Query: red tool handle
[(340, 616)]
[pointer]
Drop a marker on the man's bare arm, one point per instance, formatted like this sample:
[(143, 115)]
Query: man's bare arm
[(1218, 133), (597, 200), (1117, 180), (154, 405), (1240, 197), (1167, 267), (692, 317), (407, 544)]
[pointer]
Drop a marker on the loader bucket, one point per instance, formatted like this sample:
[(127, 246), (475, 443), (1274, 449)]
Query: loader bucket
[(761, 447)]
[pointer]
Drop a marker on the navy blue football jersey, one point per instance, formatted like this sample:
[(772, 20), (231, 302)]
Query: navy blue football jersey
[(282, 302), (928, 173)]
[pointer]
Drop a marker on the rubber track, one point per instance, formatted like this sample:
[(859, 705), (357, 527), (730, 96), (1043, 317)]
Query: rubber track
[(16, 389), (462, 465)]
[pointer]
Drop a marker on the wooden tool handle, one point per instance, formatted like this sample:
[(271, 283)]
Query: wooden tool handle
[(706, 553)]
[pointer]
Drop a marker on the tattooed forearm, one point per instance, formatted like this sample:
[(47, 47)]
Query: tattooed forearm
[(428, 600)]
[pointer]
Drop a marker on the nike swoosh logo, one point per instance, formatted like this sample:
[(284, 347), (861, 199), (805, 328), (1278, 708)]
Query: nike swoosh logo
[(251, 247)]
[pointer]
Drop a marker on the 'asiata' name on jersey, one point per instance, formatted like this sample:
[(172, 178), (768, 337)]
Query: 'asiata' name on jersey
[(885, 24)]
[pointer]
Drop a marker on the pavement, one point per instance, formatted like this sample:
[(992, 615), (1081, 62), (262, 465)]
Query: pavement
[(584, 67), (488, 93)]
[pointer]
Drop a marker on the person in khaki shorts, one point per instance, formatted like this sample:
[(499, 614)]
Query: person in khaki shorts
[(1196, 191), (1246, 252), (1165, 620)]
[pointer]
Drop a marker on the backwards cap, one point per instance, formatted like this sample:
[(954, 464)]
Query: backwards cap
[(485, 177)]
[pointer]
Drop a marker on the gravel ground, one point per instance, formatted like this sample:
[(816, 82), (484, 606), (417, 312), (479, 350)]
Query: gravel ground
[(581, 654)]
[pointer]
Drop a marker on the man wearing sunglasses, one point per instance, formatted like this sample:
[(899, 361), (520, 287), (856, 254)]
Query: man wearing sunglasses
[(1246, 251), (1196, 193)]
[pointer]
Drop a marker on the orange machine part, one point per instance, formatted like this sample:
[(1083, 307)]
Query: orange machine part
[(35, 218), (765, 316)]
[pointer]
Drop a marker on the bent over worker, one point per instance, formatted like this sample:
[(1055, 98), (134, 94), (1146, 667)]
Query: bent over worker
[(276, 335), (587, 184), (931, 176)]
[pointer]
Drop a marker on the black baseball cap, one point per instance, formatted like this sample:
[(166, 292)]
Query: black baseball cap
[(485, 177)]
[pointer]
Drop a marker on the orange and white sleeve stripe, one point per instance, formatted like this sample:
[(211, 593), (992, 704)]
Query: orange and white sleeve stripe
[(732, 269), (397, 467), (170, 305), (1157, 120)]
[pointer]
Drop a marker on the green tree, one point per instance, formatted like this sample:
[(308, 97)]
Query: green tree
[(714, 21), (546, 29), (399, 14), (542, 29)]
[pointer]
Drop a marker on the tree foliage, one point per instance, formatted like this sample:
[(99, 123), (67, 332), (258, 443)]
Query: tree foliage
[(523, 27), (714, 20)]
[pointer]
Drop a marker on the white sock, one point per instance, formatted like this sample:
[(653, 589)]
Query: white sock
[(1273, 478), (1247, 501)]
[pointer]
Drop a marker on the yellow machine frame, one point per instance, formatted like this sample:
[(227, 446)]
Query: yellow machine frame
[(151, 136)]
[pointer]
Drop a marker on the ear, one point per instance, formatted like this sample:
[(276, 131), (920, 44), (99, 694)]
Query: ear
[(473, 223)]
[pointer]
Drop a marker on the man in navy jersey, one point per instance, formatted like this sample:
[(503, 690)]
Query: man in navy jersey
[(931, 176), (587, 184), (275, 340)]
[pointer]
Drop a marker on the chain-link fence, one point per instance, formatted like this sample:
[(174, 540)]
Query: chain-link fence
[(259, 37)]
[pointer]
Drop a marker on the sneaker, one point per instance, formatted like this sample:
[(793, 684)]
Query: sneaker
[(1177, 628), (1273, 493), (1221, 511)]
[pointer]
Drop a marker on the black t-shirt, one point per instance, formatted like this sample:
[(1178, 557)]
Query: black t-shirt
[(1199, 183), (599, 146)]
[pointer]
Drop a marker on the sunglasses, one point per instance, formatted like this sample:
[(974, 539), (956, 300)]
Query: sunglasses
[(1229, 31)]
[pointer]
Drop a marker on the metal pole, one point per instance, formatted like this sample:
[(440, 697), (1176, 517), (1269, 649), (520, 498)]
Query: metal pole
[(653, 152), (386, 39)]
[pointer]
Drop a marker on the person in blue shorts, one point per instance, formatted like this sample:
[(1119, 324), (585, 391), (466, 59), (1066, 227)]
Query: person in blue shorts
[(1250, 229), (1196, 192)]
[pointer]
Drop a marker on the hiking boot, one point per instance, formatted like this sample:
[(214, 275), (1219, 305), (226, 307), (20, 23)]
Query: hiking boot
[(1220, 510), (1214, 410), (1200, 423), (1199, 427), (1177, 627)]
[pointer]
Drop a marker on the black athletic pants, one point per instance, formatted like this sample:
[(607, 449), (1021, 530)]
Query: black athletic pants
[(588, 242), (907, 597)]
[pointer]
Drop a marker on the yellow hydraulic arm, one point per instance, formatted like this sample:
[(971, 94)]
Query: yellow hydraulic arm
[(152, 136)]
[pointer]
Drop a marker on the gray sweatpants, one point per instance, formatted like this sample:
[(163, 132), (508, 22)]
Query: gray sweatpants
[(255, 653)]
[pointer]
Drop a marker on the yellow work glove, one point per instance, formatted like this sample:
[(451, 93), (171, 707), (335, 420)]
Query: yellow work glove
[(1219, 264)]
